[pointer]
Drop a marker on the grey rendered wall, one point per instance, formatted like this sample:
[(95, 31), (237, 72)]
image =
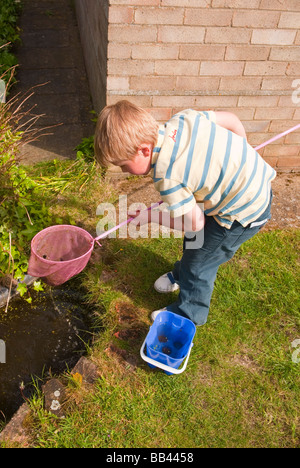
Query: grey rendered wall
[(92, 16)]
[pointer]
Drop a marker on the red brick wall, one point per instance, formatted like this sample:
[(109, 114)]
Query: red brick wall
[(236, 55), (165, 55)]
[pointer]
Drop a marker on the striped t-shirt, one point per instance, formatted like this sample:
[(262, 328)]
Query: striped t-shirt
[(196, 160)]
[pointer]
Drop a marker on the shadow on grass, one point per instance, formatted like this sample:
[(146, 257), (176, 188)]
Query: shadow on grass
[(121, 277), (133, 266)]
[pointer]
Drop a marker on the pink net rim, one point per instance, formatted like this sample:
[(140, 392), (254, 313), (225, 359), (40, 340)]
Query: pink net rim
[(61, 227)]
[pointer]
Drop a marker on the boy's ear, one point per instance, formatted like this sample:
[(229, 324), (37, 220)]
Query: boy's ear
[(145, 150)]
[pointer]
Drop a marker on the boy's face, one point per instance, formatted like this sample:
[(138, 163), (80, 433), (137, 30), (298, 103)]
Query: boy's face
[(140, 164)]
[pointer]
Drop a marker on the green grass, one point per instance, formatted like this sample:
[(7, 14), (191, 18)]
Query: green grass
[(241, 387)]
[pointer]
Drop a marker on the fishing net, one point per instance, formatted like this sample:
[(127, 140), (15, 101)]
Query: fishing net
[(60, 252)]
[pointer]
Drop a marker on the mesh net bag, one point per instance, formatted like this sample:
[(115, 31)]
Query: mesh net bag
[(60, 252)]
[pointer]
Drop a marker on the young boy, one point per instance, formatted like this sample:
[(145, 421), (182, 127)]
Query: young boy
[(195, 157)]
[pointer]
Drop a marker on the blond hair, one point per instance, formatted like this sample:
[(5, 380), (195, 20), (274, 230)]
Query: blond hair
[(121, 129)]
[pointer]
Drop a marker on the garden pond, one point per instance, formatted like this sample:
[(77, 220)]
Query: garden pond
[(44, 338)]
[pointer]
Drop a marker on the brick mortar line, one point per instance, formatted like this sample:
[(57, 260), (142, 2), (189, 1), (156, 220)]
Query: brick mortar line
[(199, 93)]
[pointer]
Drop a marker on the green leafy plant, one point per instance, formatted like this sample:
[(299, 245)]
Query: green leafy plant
[(86, 149), (9, 35), (22, 213), (23, 290)]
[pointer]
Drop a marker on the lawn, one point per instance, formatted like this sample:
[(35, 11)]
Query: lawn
[(241, 386)]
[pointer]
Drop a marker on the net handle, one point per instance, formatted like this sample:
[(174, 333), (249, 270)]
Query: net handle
[(277, 137), (106, 233)]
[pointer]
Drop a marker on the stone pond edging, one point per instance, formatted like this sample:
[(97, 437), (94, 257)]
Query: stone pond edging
[(16, 431)]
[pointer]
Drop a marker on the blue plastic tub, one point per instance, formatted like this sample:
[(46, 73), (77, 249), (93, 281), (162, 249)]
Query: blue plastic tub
[(169, 342)]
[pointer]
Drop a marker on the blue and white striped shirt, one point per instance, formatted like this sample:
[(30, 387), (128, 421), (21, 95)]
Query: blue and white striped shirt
[(196, 160)]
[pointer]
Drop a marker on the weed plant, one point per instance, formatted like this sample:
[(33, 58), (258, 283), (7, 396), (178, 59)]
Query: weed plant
[(22, 214), (9, 35)]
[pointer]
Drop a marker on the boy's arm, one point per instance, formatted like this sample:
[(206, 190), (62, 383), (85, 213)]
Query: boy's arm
[(231, 122), (193, 221)]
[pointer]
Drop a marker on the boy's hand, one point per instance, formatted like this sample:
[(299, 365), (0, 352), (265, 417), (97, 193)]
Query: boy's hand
[(140, 217)]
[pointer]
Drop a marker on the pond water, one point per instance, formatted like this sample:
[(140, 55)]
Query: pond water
[(47, 336)]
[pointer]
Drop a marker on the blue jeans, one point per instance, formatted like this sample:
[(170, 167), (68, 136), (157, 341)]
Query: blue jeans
[(197, 270)]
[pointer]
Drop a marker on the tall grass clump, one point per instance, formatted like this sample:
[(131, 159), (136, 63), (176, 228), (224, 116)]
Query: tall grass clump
[(22, 214)]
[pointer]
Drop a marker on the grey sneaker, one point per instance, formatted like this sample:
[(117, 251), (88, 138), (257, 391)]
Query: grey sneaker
[(156, 312), (166, 284)]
